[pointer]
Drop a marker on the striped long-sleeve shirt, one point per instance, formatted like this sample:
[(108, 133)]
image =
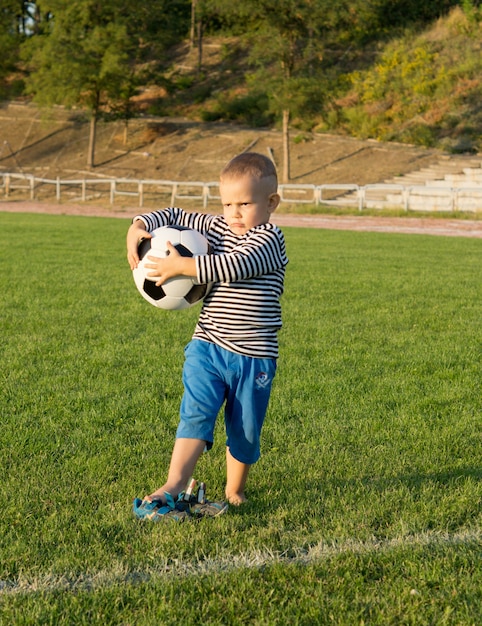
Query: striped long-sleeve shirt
[(242, 312)]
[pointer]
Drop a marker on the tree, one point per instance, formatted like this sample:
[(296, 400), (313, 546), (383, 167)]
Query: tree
[(196, 31), (286, 44), (204, 17), (10, 38), (80, 57), (284, 49), (88, 53)]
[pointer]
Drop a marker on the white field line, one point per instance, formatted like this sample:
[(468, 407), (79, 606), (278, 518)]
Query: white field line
[(119, 575)]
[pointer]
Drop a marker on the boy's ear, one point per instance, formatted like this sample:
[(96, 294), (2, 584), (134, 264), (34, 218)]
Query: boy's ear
[(273, 202)]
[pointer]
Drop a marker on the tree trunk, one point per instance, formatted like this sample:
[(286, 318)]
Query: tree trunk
[(200, 32), (196, 35), (91, 149), (126, 130), (286, 146), (193, 23)]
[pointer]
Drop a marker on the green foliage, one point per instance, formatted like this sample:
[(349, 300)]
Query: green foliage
[(396, 14), (365, 504), (297, 55), (81, 59), (388, 69), (415, 84), (10, 38), (153, 28), (251, 109), (472, 10), (93, 54), (401, 86), (400, 70), (286, 46)]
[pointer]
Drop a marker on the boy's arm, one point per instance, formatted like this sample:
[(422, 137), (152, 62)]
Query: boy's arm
[(137, 231), (170, 216), (263, 253), (145, 223)]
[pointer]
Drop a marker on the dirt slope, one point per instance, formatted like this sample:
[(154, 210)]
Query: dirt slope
[(184, 150)]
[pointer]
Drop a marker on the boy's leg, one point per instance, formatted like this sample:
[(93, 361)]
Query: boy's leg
[(185, 455), (237, 474), (202, 398), (244, 414)]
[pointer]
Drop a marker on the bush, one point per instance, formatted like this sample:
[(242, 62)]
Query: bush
[(251, 109), (417, 86), (419, 134)]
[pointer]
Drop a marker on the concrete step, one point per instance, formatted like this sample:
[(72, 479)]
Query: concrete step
[(413, 178), (463, 178), (459, 180), (467, 168)]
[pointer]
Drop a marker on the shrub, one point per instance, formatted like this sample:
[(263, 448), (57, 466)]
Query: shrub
[(251, 109)]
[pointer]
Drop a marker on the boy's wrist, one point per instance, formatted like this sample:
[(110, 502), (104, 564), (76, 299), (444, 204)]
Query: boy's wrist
[(187, 266)]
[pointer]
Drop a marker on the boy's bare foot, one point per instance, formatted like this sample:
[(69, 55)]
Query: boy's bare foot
[(236, 498), (236, 475)]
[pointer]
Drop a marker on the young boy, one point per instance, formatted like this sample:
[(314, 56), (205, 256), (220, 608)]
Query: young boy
[(231, 358)]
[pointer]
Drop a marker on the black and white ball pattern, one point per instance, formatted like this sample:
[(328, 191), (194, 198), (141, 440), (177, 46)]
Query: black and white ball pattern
[(180, 292)]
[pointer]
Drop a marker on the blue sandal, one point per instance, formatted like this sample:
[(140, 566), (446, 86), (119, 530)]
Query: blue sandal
[(156, 511), (192, 506)]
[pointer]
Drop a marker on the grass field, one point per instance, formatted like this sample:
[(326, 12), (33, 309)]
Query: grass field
[(365, 507)]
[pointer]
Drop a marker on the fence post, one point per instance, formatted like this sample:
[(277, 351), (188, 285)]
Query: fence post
[(205, 196), (140, 189), (112, 191), (32, 187), (57, 189), (173, 194), (317, 195), (7, 185), (361, 198)]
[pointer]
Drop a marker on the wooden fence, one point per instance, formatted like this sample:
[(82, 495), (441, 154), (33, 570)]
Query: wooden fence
[(467, 197)]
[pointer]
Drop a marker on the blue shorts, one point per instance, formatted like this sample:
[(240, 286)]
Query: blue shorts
[(213, 376)]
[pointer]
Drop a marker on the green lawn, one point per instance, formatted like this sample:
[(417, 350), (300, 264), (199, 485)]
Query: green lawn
[(365, 507)]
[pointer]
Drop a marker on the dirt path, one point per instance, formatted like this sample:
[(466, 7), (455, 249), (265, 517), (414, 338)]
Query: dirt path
[(408, 225)]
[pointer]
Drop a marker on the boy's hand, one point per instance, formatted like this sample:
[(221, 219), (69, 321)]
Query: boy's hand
[(136, 232), (172, 265)]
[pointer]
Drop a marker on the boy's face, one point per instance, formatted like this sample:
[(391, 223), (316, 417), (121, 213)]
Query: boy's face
[(247, 202)]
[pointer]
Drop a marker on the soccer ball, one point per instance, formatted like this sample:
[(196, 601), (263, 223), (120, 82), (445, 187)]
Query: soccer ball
[(180, 292)]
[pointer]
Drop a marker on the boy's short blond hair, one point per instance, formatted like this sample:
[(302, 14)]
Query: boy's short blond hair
[(252, 164)]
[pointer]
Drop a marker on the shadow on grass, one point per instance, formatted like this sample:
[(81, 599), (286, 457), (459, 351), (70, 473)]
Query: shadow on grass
[(418, 480), (315, 491)]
